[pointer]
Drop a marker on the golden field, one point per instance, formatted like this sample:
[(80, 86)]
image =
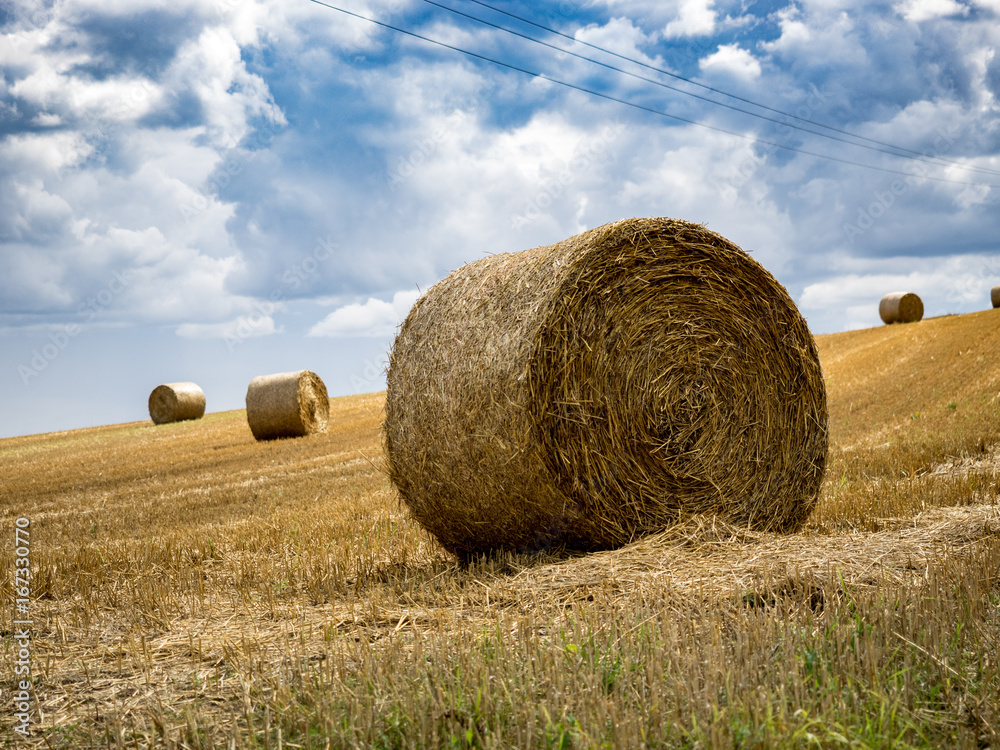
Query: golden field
[(194, 588)]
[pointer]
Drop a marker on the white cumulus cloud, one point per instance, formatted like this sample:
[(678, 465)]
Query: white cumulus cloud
[(243, 327), (372, 318), (926, 10), (696, 18), (733, 59)]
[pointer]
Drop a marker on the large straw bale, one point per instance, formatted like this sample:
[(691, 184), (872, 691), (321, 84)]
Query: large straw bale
[(900, 307), (995, 296), (175, 402), (591, 392), (287, 404)]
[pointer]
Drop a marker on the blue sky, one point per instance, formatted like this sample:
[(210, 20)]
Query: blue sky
[(211, 190)]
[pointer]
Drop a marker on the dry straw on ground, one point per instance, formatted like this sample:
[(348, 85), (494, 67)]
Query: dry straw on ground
[(287, 404), (995, 296), (714, 559), (174, 402), (900, 307), (597, 390)]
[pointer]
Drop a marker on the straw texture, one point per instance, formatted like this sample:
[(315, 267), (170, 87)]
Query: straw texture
[(175, 402), (597, 390), (995, 296), (900, 307), (287, 404)]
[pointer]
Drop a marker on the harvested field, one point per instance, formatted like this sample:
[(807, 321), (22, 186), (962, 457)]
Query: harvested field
[(196, 588)]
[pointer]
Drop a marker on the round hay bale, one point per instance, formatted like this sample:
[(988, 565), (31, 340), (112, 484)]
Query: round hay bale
[(287, 404), (175, 402), (900, 307), (995, 296), (591, 392)]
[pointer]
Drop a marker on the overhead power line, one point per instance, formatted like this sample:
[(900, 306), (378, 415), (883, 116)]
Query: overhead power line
[(937, 160), (634, 105), (928, 160)]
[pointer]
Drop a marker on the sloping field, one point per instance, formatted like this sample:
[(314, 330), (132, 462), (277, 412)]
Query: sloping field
[(194, 588)]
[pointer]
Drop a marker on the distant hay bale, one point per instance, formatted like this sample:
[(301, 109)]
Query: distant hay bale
[(995, 296), (594, 391), (287, 404), (900, 307), (175, 402)]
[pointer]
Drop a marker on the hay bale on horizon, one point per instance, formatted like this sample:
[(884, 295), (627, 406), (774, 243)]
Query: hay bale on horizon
[(995, 296), (287, 404), (593, 391), (176, 402), (900, 307)]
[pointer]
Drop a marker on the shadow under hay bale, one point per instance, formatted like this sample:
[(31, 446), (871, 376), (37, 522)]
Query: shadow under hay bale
[(287, 404), (176, 402), (594, 391), (900, 307)]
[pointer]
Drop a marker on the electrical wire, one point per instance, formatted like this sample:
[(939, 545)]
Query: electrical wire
[(641, 107), (697, 96), (922, 157)]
